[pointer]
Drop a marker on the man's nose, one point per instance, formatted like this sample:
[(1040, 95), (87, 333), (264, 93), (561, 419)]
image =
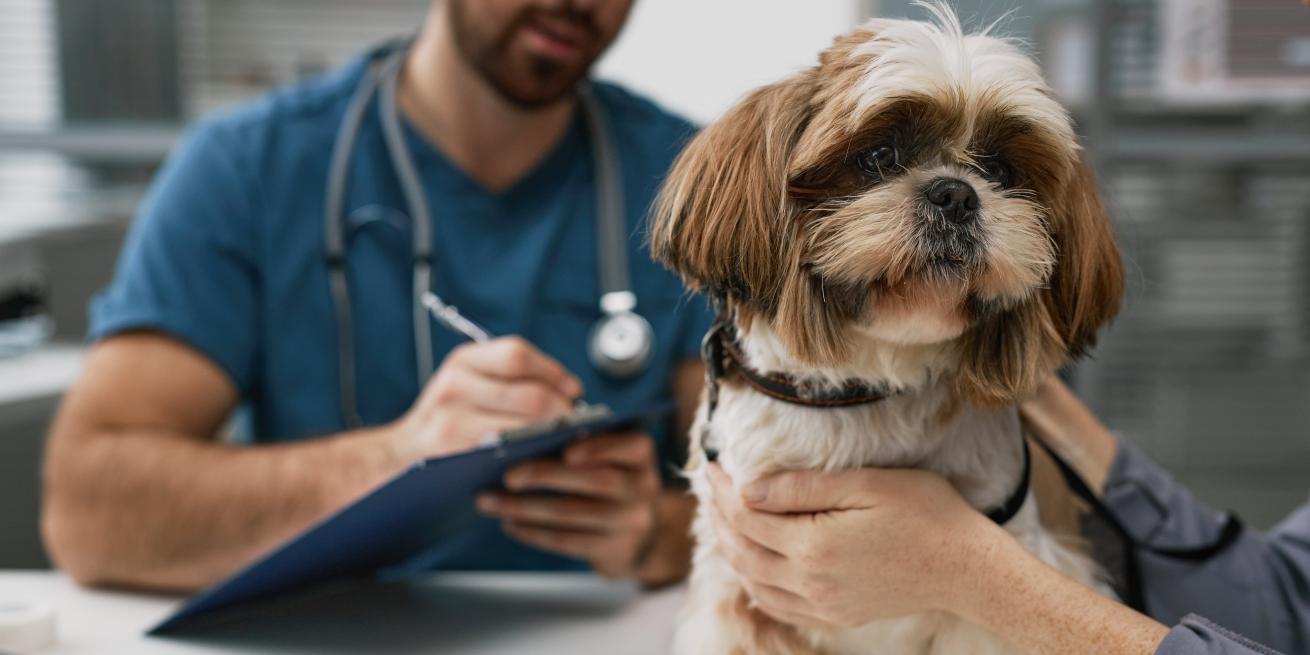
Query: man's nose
[(955, 198)]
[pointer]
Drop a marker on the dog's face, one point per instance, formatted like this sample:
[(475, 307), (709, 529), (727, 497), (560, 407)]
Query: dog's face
[(917, 186)]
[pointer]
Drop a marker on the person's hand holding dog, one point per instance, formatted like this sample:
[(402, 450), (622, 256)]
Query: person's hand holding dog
[(849, 547)]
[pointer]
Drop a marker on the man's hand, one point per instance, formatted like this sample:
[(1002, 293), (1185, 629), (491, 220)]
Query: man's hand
[(607, 512), (482, 389)]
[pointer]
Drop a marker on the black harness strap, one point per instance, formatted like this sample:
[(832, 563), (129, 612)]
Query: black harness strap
[(1001, 515), (1133, 593)]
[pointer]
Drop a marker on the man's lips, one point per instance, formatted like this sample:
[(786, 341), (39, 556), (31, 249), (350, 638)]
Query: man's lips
[(554, 38)]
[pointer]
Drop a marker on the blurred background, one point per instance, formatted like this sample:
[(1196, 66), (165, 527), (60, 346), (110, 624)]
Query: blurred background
[(1196, 114)]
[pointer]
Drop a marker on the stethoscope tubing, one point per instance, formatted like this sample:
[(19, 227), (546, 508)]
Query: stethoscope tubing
[(334, 241), (617, 300), (421, 239)]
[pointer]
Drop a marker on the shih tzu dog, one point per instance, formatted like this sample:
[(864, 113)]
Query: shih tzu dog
[(901, 243)]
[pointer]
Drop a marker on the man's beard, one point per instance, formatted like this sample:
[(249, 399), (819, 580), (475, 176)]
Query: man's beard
[(525, 80)]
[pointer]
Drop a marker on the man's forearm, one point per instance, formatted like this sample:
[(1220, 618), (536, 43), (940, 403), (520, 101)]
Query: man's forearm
[(160, 510), (669, 559)]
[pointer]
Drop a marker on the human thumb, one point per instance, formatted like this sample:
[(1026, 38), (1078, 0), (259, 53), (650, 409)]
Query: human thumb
[(808, 491)]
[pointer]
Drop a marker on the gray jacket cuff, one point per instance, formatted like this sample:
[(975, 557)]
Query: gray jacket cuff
[(1197, 636), (1154, 509)]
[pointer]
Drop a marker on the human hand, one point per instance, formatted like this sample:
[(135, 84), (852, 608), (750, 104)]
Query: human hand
[(482, 389), (607, 513), (847, 548)]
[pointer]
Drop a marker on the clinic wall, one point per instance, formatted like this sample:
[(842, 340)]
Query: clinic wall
[(693, 57), (697, 58)]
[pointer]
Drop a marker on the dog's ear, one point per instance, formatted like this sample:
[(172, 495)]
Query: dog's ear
[(723, 220), (1007, 356), (1088, 283)]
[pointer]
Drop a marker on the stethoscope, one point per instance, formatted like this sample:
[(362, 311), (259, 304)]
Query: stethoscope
[(619, 344)]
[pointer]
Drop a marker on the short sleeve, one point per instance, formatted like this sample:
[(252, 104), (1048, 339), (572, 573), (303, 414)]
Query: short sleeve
[(188, 265)]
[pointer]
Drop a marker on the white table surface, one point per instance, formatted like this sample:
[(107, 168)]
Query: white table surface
[(468, 613)]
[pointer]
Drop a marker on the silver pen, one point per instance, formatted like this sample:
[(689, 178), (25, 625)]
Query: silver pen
[(449, 316)]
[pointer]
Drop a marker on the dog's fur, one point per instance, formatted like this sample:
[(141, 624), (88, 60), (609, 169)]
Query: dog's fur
[(833, 270)]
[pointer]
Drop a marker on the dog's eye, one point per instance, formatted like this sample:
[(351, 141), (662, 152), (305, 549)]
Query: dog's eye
[(879, 161), (998, 171)]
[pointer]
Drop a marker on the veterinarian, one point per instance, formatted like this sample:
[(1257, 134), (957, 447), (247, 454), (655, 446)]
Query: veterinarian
[(851, 547), (277, 269)]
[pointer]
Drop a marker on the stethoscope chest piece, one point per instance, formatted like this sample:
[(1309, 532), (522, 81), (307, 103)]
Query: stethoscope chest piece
[(621, 342)]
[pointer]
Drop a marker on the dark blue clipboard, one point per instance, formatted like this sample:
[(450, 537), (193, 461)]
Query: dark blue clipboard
[(390, 526)]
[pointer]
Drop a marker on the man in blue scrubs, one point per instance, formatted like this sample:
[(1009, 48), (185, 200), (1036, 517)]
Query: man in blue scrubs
[(221, 301)]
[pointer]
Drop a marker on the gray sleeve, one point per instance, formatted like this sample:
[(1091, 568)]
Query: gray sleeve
[(1258, 586), (1198, 636)]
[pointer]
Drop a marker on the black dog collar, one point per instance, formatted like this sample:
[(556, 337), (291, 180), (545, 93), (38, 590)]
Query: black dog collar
[(721, 347)]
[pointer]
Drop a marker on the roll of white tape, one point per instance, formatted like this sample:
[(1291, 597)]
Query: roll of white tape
[(25, 626)]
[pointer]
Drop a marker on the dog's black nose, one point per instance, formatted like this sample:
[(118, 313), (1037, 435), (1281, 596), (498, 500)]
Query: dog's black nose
[(957, 200)]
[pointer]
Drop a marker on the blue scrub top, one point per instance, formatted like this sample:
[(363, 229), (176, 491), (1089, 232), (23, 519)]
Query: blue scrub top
[(227, 255)]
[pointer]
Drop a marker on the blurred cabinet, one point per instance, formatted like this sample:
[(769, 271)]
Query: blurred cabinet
[(76, 261), (118, 61), (30, 388), (22, 432)]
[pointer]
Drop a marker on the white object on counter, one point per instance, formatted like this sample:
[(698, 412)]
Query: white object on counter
[(26, 626)]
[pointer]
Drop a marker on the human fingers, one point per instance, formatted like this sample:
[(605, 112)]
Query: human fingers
[(563, 512), (749, 559), (449, 432), (633, 450), (513, 357), (599, 482), (815, 491), (784, 605), (572, 543), (768, 530), (531, 399)]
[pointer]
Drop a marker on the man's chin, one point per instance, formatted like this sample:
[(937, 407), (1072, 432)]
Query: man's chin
[(535, 94)]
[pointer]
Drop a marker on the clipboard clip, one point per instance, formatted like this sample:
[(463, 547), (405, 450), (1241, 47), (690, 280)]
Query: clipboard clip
[(582, 415)]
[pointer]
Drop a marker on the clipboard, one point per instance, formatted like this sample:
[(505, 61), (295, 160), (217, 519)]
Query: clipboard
[(396, 522)]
